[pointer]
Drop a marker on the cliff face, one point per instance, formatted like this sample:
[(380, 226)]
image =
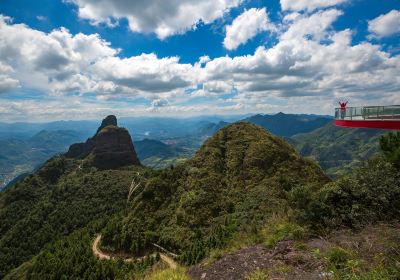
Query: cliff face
[(111, 147)]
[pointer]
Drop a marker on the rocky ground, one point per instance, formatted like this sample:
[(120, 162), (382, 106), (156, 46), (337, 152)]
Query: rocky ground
[(294, 260)]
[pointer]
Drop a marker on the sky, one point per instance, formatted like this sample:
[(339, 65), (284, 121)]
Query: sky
[(83, 59)]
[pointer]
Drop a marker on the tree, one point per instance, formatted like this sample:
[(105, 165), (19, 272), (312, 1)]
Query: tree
[(390, 146)]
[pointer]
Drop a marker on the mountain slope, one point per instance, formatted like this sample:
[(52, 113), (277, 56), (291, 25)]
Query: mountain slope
[(236, 180), (66, 194), (149, 148), (337, 149), (288, 124), (23, 155), (246, 196)]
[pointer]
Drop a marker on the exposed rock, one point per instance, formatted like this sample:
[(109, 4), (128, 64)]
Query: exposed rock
[(80, 150), (109, 120), (113, 148), (110, 147)]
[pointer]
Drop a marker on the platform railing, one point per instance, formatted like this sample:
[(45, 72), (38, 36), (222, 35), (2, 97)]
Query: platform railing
[(391, 112)]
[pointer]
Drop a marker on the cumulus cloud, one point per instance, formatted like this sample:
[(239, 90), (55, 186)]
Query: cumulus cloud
[(311, 60), (309, 66), (308, 5), (314, 26), (7, 83), (164, 18), (246, 26), (145, 72), (60, 62), (385, 25)]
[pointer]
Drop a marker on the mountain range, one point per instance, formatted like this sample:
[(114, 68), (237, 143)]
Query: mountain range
[(246, 198), (170, 142)]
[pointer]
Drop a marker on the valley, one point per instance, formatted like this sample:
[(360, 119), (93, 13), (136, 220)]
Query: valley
[(162, 143)]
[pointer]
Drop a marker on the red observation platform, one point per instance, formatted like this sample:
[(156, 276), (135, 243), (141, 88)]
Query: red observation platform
[(378, 117)]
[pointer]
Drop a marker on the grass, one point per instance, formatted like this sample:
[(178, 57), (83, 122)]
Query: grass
[(282, 229), (258, 275), (169, 274)]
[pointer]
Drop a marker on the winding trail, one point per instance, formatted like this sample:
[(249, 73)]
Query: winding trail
[(104, 256)]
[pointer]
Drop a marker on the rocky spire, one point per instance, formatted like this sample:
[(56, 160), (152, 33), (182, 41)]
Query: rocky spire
[(109, 120), (111, 147)]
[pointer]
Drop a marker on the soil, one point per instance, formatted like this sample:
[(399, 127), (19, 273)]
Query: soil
[(288, 261), (282, 262)]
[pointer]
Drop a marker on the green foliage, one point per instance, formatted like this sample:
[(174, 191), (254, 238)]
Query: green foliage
[(72, 258), (390, 145), (237, 179), (338, 150), (236, 184), (170, 274), (371, 194), (344, 264), (337, 258), (275, 232), (54, 202), (201, 245), (258, 275)]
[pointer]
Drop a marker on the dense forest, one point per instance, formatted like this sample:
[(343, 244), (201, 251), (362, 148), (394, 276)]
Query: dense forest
[(243, 187)]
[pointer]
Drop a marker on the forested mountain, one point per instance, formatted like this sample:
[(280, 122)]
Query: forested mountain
[(246, 198), (289, 124), (26, 146), (234, 180), (66, 194), (338, 150)]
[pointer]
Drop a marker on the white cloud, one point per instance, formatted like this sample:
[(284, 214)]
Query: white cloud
[(59, 62), (164, 18), (315, 25), (157, 104), (309, 66), (246, 26), (41, 18), (385, 25), (145, 72), (311, 62), (308, 5), (7, 83)]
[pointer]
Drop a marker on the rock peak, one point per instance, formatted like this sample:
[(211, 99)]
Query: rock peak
[(111, 147), (109, 120)]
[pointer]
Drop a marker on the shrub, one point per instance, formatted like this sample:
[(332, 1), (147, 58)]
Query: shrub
[(257, 275), (390, 146), (337, 258), (281, 231)]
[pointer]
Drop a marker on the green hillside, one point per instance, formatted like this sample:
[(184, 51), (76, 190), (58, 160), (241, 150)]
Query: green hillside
[(338, 150), (246, 195), (55, 201), (234, 182)]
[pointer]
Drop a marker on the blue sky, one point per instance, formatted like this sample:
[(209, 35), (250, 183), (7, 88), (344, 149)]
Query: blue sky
[(81, 59)]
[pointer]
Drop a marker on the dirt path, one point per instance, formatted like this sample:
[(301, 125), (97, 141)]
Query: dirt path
[(104, 256)]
